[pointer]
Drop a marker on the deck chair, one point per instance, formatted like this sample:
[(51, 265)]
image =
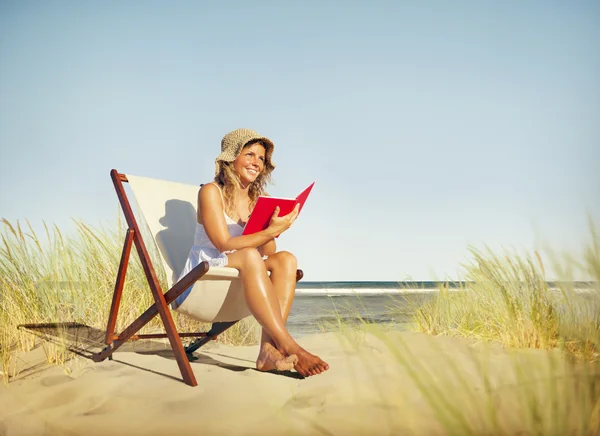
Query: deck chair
[(169, 210)]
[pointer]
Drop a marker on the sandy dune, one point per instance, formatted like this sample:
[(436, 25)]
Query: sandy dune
[(409, 383)]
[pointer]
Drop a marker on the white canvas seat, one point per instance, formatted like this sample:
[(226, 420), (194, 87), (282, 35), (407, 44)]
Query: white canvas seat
[(169, 210)]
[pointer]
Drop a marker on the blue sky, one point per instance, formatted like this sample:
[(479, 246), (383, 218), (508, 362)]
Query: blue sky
[(427, 126)]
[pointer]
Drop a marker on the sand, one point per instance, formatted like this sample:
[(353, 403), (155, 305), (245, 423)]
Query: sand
[(379, 383)]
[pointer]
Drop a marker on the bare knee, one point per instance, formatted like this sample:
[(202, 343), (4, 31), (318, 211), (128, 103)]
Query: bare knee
[(285, 262), (250, 258)]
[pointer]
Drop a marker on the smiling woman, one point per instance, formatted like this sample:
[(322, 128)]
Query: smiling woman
[(242, 171)]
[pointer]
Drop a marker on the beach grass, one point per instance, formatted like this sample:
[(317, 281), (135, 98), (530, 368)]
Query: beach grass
[(58, 278), (539, 376), (507, 298), (473, 388), (542, 342)]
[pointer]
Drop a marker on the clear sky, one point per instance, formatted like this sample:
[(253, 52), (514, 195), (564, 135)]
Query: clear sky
[(427, 126)]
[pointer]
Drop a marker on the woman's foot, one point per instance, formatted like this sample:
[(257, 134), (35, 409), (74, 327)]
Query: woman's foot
[(308, 364), (270, 359)]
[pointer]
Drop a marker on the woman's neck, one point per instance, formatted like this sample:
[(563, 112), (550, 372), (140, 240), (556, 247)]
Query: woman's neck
[(242, 193)]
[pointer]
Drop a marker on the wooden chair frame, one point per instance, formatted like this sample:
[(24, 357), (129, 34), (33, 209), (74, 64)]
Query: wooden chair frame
[(161, 300)]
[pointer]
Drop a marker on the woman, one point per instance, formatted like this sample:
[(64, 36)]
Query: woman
[(242, 171)]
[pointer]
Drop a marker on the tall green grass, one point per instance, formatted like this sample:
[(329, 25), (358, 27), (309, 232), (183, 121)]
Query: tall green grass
[(474, 389), (70, 278), (504, 300), (507, 298)]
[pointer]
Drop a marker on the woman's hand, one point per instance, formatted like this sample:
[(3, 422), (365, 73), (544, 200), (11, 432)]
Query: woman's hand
[(278, 224)]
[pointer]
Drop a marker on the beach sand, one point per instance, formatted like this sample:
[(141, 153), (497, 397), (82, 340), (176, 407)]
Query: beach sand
[(379, 383)]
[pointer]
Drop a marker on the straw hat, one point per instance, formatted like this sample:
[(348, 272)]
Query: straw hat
[(233, 142)]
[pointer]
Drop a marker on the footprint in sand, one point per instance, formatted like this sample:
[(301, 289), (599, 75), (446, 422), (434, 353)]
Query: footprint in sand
[(312, 398), (59, 398), (109, 406), (55, 380), (72, 399)]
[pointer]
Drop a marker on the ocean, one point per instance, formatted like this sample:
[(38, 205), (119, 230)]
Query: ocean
[(319, 306)]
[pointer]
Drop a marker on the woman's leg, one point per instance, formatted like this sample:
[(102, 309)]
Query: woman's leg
[(264, 304), (282, 266)]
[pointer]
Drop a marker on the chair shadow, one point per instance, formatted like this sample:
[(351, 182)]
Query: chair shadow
[(77, 338), (204, 358), (85, 341), (290, 374), (167, 353)]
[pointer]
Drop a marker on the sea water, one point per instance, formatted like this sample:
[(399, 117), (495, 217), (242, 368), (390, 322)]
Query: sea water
[(323, 306)]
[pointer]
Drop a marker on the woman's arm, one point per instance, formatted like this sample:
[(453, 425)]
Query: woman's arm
[(210, 214), (268, 248)]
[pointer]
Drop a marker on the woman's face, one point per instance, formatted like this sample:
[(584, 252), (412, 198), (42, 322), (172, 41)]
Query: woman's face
[(250, 163)]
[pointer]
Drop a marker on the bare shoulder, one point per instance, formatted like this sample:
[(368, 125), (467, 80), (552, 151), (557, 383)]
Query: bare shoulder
[(209, 193), (209, 187)]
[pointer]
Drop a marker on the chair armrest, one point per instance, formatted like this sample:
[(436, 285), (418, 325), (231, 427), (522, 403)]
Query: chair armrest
[(186, 281)]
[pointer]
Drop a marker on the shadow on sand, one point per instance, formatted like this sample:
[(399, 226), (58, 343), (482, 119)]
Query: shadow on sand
[(85, 341)]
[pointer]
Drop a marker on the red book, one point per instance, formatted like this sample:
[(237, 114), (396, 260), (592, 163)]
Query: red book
[(265, 206)]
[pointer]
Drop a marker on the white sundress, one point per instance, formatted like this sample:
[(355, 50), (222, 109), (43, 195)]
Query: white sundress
[(204, 250)]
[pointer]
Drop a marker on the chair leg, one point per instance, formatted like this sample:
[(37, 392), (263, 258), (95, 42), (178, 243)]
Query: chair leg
[(160, 308), (216, 329), (116, 301), (180, 356)]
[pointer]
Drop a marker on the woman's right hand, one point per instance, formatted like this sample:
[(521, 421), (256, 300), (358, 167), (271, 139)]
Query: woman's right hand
[(278, 224)]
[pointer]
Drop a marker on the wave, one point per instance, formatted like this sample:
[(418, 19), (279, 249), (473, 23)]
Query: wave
[(334, 292), (364, 291)]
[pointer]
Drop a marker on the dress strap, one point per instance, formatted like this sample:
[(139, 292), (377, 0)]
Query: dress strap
[(220, 192)]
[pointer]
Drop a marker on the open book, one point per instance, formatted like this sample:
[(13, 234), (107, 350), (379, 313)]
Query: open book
[(265, 206)]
